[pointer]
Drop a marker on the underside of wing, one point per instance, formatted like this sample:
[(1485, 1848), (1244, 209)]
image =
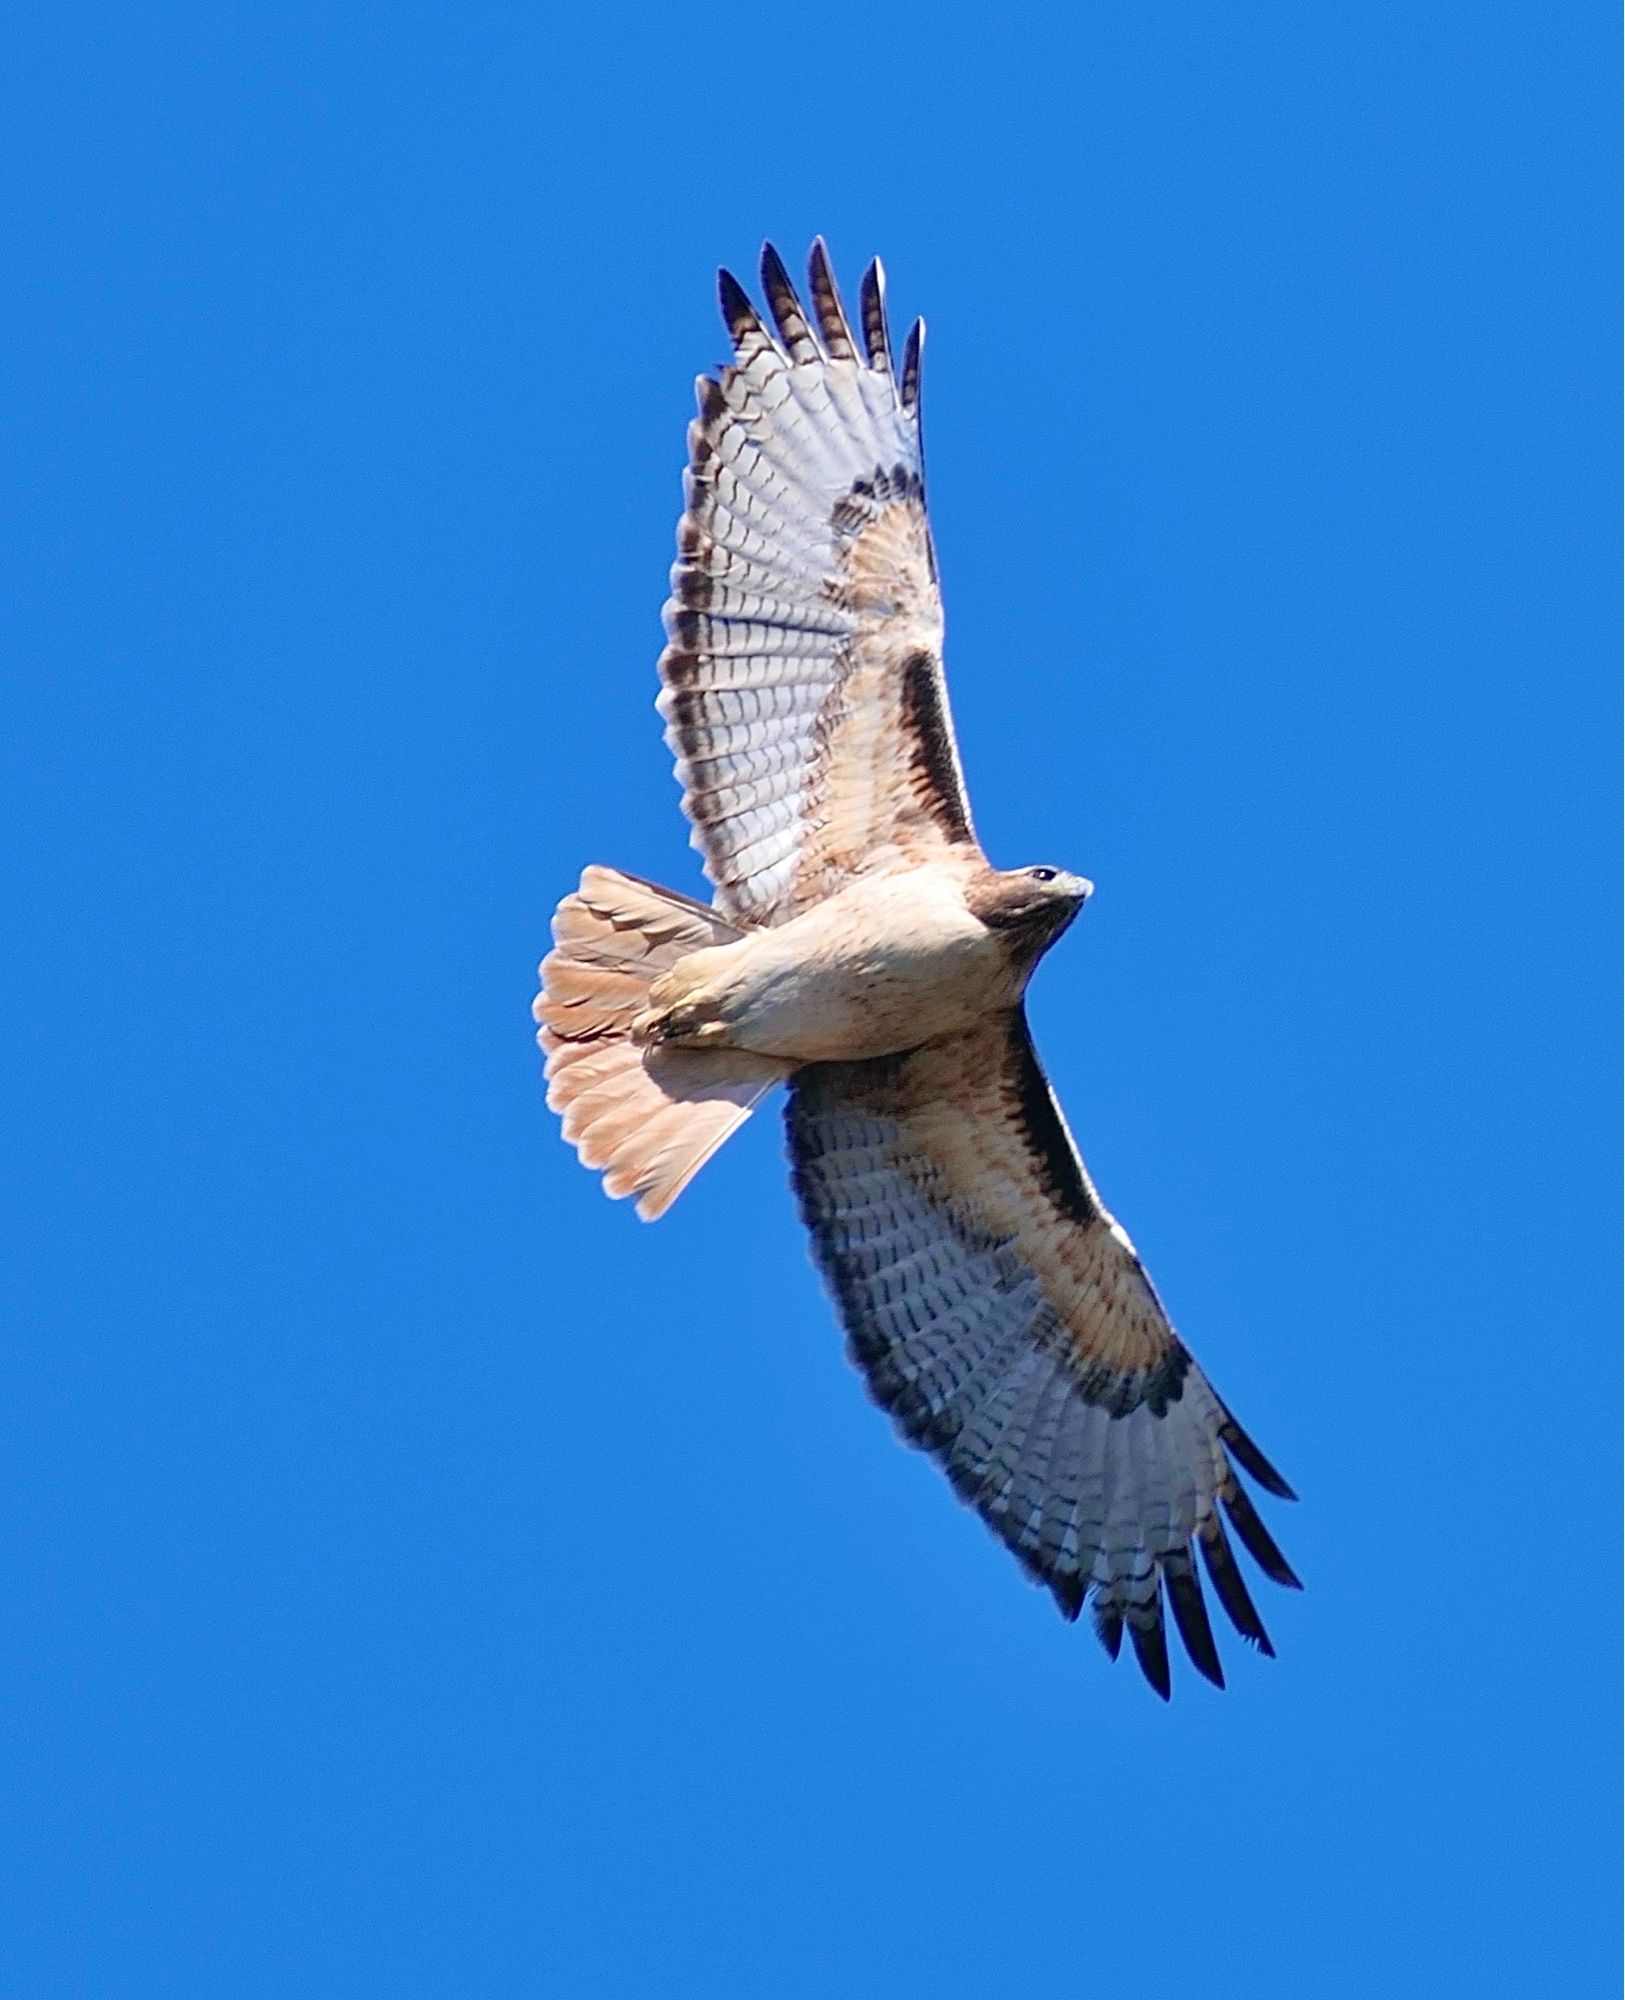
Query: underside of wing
[(1005, 1321), (803, 688)]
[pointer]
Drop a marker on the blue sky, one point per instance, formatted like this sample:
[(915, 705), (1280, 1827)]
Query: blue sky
[(416, 1578)]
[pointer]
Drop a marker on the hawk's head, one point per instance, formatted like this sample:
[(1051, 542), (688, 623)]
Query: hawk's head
[(1027, 907)]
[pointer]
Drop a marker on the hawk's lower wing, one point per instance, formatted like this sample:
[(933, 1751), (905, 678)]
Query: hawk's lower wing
[(1004, 1320), (803, 687)]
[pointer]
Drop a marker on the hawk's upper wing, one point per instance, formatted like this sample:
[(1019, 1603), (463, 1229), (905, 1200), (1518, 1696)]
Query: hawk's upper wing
[(1004, 1320), (803, 679)]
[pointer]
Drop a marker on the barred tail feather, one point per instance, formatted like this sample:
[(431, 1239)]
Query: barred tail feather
[(646, 1119)]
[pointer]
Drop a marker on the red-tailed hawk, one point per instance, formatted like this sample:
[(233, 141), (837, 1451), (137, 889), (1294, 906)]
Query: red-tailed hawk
[(861, 948)]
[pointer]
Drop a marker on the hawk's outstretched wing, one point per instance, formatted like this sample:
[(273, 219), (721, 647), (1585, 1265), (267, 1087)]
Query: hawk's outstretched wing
[(803, 680), (1004, 1320)]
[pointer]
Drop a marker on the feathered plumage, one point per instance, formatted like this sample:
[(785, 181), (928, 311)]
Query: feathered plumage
[(862, 946)]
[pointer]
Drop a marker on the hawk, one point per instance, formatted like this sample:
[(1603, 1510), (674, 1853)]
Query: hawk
[(860, 948)]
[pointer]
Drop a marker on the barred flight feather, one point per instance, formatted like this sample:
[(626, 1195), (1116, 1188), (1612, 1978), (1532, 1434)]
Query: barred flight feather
[(805, 619), (1003, 1319)]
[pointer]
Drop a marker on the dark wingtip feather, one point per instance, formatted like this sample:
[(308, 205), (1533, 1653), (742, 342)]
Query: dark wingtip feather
[(1068, 1592), (1190, 1615), (1256, 1538), (910, 391), (872, 310), (1227, 1580), (1151, 1650), (737, 309), (1252, 1461), (1109, 1626), (826, 298), (786, 307)]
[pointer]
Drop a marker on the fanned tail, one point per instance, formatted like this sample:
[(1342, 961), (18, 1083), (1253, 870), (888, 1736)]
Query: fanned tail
[(647, 1119)]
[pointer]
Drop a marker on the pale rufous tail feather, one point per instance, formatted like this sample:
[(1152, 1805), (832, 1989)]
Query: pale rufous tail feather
[(647, 1119)]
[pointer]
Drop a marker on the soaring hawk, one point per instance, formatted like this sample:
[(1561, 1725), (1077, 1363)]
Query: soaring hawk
[(860, 948)]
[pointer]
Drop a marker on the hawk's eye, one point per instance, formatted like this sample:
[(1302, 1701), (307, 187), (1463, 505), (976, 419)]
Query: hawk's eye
[(1043, 874)]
